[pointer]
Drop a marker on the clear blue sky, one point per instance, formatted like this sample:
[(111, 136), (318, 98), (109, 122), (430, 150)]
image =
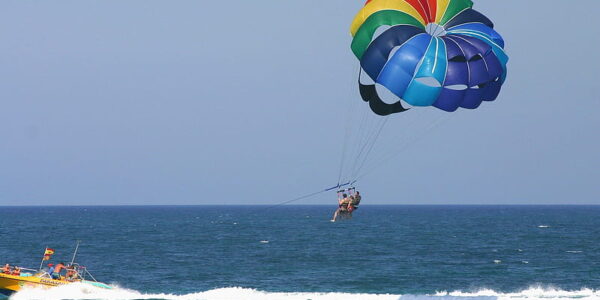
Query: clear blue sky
[(229, 102)]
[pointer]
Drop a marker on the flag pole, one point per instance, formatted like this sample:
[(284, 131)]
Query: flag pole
[(42, 262)]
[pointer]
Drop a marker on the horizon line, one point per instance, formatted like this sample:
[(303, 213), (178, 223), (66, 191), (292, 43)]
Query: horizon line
[(277, 205)]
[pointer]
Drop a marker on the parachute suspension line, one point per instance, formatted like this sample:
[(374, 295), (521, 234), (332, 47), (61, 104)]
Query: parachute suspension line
[(414, 134), (358, 127), (367, 147), (411, 121), (345, 144), (356, 171), (407, 143), (348, 127), (362, 142), (361, 138)]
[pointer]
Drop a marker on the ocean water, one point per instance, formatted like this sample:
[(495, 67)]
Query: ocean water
[(294, 252)]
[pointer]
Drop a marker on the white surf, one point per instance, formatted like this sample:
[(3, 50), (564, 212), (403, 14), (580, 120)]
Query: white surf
[(81, 292)]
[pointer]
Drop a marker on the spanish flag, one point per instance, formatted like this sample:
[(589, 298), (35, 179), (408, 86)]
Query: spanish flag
[(47, 253)]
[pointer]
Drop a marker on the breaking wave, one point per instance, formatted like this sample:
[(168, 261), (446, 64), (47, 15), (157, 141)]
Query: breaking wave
[(80, 291)]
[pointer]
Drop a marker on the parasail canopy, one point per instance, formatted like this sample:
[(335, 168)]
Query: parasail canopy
[(439, 53)]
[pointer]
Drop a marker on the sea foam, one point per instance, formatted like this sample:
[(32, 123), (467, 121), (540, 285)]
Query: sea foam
[(80, 292)]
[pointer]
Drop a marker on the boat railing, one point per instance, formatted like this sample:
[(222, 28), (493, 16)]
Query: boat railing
[(26, 269), (82, 272), (88, 273), (44, 274)]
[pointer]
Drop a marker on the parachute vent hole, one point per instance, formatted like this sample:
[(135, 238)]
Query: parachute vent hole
[(457, 87), (459, 59), (429, 81), (435, 30)]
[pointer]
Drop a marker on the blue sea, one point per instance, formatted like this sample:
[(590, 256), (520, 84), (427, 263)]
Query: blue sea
[(295, 252)]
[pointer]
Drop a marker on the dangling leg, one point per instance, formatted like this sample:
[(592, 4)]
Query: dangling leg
[(335, 215)]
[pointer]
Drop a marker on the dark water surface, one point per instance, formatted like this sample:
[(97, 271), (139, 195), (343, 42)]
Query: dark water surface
[(384, 249)]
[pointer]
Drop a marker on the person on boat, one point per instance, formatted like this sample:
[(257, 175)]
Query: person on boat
[(50, 269), (16, 271), (71, 273), (6, 269), (342, 207), (57, 269)]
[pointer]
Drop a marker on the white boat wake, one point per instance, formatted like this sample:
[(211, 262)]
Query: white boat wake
[(81, 292)]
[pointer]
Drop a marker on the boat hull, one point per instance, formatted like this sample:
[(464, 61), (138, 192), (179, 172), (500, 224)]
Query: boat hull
[(10, 284)]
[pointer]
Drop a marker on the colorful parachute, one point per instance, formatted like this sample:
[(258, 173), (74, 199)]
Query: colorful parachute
[(439, 53)]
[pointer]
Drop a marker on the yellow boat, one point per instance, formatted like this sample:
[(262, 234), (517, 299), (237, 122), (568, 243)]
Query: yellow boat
[(10, 283)]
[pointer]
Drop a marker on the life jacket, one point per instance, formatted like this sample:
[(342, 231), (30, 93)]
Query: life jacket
[(356, 200), (351, 208), (6, 269)]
